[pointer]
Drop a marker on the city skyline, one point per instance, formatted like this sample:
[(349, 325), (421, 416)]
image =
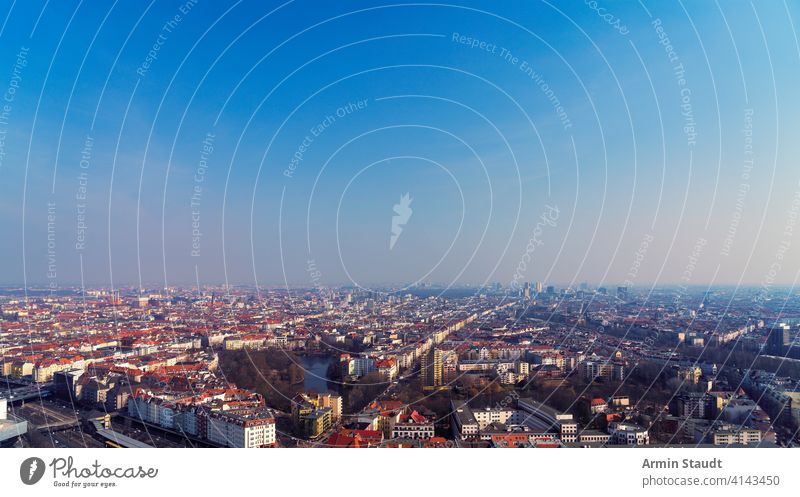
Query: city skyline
[(356, 368), (259, 225)]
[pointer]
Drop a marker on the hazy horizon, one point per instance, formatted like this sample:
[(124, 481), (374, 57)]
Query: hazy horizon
[(360, 143)]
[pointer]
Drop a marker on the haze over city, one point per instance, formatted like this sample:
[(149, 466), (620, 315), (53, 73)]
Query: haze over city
[(371, 224), (237, 143)]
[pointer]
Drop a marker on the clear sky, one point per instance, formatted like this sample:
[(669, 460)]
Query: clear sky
[(269, 142)]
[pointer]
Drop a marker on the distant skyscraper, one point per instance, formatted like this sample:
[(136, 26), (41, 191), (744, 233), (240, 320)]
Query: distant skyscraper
[(538, 287), (778, 340), (431, 369), (622, 292)]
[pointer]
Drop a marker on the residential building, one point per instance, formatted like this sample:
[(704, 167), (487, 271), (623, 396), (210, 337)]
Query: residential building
[(242, 428)]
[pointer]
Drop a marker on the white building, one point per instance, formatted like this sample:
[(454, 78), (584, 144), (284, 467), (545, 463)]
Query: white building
[(358, 366), (464, 422), (628, 434), (487, 416), (416, 432), (242, 428), (10, 425)]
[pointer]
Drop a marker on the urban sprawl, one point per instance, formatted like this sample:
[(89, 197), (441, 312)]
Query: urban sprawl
[(532, 365)]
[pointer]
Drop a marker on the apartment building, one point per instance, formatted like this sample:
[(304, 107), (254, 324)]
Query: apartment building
[(242, 428)]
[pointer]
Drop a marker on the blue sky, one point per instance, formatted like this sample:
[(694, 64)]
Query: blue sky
[(564, 105)]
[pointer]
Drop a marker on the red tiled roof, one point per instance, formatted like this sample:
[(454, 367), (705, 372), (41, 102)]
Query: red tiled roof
[(354, 438)]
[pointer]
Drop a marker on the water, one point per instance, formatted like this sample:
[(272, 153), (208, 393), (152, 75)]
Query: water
[(316, 373)]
